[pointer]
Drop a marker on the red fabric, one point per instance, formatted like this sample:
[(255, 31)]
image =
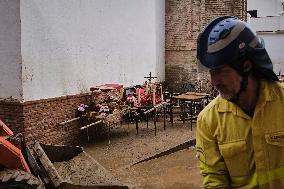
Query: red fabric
[(141, 91)]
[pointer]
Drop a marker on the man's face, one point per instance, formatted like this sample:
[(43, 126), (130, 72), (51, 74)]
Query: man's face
[(226, 80)]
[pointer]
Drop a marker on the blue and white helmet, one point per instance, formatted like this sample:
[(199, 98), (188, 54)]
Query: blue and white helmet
[(227, 40)]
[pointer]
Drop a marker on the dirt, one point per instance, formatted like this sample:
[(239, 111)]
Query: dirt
[(81, 171), (176, 171)]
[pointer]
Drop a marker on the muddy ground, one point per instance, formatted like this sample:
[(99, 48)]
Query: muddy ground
[(173, 171), (80, 170)]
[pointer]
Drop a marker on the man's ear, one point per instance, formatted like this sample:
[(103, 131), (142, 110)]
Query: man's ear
[(247, 66)]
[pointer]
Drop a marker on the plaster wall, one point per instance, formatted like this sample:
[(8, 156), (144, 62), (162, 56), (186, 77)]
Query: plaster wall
[(265, 7), (160, 39), (274, 44), (269, 25), (69, 46), (10, 50)]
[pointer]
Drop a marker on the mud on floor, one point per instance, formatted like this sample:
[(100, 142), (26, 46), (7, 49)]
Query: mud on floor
[(177, 170), (81, 171)]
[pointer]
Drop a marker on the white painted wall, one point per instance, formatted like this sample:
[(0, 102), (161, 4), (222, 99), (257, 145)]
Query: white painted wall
[(274, 44), (70, 45), (160, 39), (270, 19), (271, 24), (10, 50), (265, 7)]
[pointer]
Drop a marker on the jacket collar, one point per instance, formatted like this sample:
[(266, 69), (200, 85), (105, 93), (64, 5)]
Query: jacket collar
[(227, 106), (267, 91)]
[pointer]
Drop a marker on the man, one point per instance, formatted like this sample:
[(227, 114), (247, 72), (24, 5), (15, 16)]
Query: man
[(240, 134)]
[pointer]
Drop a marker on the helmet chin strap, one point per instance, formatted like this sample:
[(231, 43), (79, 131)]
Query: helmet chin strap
[(243, 87)]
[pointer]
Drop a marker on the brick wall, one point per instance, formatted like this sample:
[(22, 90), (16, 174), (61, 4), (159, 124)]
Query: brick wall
[(215, 8), (180, 62), (11, 113), (39, 120), (184, 21), (42, 119), (184, 18)]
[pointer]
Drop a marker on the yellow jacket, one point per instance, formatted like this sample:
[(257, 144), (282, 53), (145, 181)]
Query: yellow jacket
[(239, 151)]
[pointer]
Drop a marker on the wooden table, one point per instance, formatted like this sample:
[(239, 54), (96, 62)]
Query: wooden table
[(188, 98)]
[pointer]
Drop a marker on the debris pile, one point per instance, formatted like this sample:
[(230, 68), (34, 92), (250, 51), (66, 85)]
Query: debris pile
[(81, 171)]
